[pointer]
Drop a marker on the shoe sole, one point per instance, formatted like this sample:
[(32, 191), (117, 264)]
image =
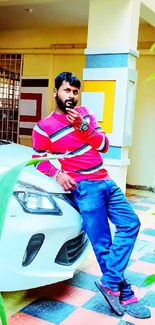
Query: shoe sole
[(135, 314)]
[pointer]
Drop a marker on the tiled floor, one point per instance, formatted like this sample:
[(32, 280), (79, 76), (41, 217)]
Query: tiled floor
[(77, 302)]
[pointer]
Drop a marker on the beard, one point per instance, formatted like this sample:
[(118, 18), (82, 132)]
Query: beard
[(69, 103)]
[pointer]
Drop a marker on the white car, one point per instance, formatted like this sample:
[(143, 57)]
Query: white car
[(42, 240)]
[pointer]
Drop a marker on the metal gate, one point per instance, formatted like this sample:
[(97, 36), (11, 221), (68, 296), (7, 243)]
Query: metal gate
[(10, 73)]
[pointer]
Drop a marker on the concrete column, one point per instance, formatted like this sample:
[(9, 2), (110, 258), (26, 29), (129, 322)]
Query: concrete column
[(110, 76)]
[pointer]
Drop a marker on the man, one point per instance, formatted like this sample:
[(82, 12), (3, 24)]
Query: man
[(75, 130)]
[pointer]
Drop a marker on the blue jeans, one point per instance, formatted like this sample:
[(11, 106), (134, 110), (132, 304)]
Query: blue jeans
[(99, 201)]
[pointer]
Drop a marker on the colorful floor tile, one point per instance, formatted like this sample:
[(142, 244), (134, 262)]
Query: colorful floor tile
[(77, 301)]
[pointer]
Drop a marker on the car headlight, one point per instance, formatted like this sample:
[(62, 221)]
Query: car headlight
[(35, 200)]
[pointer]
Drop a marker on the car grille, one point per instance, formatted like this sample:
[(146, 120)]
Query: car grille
[(72, 250)]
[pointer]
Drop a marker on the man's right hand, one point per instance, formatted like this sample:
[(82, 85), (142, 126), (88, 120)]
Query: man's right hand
[(66, 182)]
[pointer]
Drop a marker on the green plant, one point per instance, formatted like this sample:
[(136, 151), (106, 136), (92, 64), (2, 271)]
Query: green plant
[(149, 280)]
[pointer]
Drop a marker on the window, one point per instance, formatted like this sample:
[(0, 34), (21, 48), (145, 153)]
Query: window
[(10, 73)]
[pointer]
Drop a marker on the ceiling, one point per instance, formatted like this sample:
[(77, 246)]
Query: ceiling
[(18, 2), (45, 14)]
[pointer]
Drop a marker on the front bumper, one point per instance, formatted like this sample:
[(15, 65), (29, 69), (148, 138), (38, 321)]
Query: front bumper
[(63, 249)]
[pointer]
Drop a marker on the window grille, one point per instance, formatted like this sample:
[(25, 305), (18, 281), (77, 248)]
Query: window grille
[(10, 73)]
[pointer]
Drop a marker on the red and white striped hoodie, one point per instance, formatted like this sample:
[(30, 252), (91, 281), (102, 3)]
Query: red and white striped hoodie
[(56, 135)]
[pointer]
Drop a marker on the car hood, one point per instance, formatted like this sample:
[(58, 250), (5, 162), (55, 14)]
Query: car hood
[(14, 154)]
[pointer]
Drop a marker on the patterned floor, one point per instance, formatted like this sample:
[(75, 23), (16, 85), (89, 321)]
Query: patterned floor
[(77, 302)]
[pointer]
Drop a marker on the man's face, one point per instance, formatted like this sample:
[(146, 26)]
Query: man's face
[(66, 96)]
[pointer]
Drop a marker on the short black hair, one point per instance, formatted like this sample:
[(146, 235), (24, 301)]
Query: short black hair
[(68, 77)]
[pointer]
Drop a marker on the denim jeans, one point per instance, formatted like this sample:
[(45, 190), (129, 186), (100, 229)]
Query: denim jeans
[(99, 201)]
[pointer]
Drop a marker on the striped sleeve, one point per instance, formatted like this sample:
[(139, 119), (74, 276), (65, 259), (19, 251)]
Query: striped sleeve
[(95, 136), (40, 143)]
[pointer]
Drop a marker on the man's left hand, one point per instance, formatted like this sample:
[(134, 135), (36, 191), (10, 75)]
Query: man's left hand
[(74, 118)]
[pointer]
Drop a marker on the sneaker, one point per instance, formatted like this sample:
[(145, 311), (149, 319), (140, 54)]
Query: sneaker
[(112, 297), (135, 308)]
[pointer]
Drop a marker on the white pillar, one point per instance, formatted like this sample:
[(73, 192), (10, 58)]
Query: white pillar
[(110, 76)]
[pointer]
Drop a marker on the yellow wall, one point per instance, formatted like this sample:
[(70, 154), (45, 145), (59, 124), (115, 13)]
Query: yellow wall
[(42, 39), (51, 65), (37, 65), (25, 140), (40, 60), (142, 153), (146, 33)]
